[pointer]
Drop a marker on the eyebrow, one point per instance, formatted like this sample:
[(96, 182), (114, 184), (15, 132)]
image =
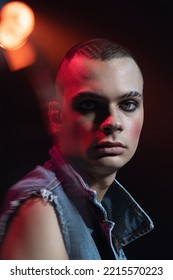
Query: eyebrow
[(87, 95), (132, 94), (97, 95)]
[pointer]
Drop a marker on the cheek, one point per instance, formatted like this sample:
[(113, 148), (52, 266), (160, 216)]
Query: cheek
[(135, 130), (78, 128)]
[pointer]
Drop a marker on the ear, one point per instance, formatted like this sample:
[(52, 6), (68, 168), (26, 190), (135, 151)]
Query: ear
[(55, 120)]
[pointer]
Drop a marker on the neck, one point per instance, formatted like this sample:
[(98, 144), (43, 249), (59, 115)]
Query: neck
[(101, 186), (98, 179)]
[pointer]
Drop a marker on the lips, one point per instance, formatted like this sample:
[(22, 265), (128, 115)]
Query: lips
[(110, 144), (110, 148)]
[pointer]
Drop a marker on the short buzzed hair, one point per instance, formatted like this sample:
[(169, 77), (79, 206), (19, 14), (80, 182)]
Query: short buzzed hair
[(99, 49)]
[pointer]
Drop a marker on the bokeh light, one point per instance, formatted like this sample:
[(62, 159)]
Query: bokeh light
[(17, 23)]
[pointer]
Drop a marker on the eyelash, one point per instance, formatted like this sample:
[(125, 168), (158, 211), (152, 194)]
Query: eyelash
[(128, 102), (88, 106)]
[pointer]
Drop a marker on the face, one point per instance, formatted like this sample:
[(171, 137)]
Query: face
[(102, 112)]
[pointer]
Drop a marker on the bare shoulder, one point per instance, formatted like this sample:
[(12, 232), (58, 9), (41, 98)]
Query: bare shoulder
[(34, 233)]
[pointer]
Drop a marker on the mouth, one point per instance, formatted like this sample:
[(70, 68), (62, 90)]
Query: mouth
[(108, 144), (110, 148)]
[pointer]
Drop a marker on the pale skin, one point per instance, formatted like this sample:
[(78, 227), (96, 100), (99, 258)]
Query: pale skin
[(108, 88), (101, 121)]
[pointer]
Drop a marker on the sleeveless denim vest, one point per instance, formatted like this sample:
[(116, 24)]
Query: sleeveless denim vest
[(91, 230)]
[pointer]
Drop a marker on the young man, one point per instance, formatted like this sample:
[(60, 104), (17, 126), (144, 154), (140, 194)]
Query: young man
[(73, 207)]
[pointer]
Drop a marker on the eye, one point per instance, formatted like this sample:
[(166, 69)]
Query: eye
[(129, 105), (86, 106)]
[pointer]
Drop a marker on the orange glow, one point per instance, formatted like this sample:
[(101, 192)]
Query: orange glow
[(21, 57), (17, 22)]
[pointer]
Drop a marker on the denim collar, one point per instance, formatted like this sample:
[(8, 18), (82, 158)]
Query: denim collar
[(131, 221)]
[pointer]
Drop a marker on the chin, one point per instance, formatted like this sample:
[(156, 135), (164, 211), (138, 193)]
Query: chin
[(109, 163)]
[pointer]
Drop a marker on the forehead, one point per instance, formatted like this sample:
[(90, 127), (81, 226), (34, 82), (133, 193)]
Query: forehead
[(108, 77)]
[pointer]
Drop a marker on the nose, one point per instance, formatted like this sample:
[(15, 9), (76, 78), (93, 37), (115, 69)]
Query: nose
[(110, 125)]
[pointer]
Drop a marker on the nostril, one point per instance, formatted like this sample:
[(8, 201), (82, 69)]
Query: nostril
[(107, 129)]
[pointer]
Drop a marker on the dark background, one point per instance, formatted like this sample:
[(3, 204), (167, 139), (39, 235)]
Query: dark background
[(145, 27)]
